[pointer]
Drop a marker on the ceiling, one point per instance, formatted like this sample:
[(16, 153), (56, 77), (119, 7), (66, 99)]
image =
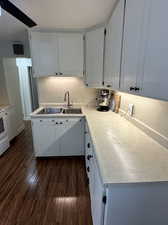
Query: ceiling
[(55, 14)]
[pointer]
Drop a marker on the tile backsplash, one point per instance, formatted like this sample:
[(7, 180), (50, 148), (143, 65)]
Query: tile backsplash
[(152, 112), (52, 90)]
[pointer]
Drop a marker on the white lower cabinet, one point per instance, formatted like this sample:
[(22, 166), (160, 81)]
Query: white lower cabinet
[(45, 137), (137, 204), (97, 194), (96, 187), (123, 203), (72, 137), (58, 136)]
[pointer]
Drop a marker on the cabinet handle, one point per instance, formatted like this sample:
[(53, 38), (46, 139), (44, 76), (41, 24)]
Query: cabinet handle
[(108, 85), (88, 145), (132, 88), (89, 157), (88, 169), (61, 122), (56, 73), (137, 89), (60, 73), (56, 123)]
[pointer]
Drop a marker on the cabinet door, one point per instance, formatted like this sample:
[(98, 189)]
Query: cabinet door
[(44, 52), (94, 57), (156, 51), (113, 46), (46, 137), (96, 193), (72, 137), (71, 55), (133, 44)]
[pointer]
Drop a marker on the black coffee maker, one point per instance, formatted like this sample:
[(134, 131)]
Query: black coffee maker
[(104, 100)]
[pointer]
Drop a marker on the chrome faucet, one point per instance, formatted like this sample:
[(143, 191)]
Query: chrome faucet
[(65, 98)]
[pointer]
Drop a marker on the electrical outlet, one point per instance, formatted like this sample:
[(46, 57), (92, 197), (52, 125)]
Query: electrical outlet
[(130, 109)]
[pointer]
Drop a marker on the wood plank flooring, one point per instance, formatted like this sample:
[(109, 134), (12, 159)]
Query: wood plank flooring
[(50, 191)]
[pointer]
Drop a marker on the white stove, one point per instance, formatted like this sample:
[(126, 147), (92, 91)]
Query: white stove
[(4, 140)]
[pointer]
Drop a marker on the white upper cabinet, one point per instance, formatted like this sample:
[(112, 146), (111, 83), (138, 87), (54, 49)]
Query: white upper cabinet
[(145, 49), (97, 193), (155, 80), (132, 55), (94, 57), (57, 54), (71, 55), (113, 46), (44, 52)]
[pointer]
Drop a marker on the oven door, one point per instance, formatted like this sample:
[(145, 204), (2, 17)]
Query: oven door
[(2, 128)]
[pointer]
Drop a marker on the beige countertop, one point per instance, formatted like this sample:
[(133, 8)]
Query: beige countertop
[(125, 154), (5, 106)]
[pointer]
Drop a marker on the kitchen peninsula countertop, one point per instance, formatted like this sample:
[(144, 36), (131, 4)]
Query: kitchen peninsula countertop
[(124, 153)]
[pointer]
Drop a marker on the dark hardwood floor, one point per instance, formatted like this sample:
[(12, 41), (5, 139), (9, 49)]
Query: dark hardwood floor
[(50, 191)]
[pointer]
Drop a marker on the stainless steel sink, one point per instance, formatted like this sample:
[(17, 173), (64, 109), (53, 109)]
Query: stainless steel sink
[(50, 111), (72, 111), (47, 111)]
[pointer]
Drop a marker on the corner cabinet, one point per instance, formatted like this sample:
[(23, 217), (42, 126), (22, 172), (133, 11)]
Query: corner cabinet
[(113, 46), (94, 43), (57, 54), (58, 136)]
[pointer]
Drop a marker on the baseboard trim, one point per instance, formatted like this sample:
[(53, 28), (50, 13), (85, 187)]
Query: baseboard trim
[(20, 129), (160, 138)]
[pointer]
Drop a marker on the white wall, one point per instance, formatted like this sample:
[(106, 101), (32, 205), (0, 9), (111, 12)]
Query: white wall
[(153, 113), (13, 88), (52, 90), (23, 64), (6, 49)]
